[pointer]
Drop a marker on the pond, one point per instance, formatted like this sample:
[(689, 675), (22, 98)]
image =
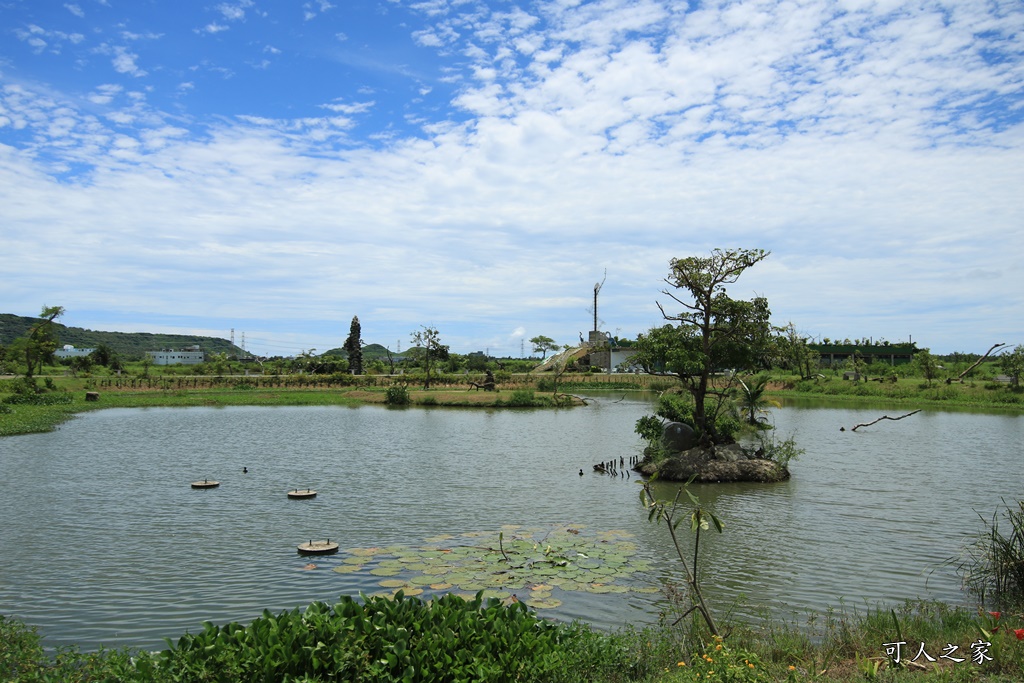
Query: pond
[(104, 542)]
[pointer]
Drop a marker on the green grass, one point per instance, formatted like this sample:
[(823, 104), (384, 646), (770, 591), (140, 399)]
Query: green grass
[(452, 639), (907, 391)]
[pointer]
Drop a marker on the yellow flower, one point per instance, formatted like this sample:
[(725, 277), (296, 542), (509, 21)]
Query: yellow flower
[(750, 665), (718, 647), (792, 668), (681, 664)]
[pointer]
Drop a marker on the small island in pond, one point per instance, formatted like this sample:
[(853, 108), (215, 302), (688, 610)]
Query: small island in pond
[(679, 457)]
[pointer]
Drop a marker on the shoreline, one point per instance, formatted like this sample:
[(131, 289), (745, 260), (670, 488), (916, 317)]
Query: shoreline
[(521, 393)]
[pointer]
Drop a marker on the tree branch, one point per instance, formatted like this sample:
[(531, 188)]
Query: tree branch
[(963, 374), (885, 417)]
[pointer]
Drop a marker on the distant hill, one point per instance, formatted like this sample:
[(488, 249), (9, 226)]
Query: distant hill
[(130, 345), (370, 352)]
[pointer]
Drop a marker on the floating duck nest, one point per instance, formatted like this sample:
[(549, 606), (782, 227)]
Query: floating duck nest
[(327, 547)]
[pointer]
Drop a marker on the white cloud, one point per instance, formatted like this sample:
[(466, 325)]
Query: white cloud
[(105, 93), (875, 150), (75, 9)]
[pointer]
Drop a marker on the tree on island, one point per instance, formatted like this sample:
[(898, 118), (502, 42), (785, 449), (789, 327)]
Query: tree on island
[(713, 332), (354, 347), (542, 345)]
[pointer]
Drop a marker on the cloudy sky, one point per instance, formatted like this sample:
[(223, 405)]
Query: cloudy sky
[(276, 167)]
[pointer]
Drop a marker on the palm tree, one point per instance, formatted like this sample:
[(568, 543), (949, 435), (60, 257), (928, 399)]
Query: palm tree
[(752, 400)]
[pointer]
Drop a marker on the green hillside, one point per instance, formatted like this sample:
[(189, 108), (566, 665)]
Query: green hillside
[(130, 345), (370, 352)]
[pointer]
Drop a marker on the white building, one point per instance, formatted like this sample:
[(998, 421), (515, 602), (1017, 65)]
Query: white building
[(70, 351), (190, 355)]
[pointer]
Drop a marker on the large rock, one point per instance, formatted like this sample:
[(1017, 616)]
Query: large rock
[(677, 437), (722, 463)]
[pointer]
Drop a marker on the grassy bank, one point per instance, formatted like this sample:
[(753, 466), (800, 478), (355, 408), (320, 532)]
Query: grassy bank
[(26, 418), (908, 390), (452, 639), (515, 391)]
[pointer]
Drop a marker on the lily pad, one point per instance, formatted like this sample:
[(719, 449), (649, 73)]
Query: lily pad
[(385, 571), (545, 603)]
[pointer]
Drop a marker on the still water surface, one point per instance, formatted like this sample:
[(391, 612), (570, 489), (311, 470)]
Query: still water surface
[(103, 542)]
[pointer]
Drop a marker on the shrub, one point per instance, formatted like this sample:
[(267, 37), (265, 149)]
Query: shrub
[(428, 401), (521, 398), (39, 399), (675, 408), (780, 451), (650, 429), (381, 639), (728, 426), (397, 395)]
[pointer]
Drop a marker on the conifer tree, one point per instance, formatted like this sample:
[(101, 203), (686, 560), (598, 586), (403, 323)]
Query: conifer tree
[(354, 348)]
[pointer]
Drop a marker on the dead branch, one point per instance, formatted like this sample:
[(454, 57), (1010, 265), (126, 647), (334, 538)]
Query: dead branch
[(885, 417), (960, 377)]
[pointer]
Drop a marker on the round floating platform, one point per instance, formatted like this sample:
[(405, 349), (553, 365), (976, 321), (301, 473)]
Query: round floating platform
[(302, 493), (205, 484), (327, 547)]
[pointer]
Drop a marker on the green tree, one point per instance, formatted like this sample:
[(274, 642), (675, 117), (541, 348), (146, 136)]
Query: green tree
[(794, 353), (102, 355), (927, 365), (80, 364), (354, 347), (713, 332), (428, 348), (40, 343), (1013, 364), (752, 400), (542, 345)]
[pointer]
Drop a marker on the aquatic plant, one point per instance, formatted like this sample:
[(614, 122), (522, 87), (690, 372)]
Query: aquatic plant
[(992, 567), (531, 565), (700, 518)]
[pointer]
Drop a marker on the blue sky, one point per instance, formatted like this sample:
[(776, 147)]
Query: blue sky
[(278, 167)]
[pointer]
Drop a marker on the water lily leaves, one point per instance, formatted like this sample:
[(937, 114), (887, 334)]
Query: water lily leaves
[(385, 571), (425, 580), (514, 558), (543, 603)]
